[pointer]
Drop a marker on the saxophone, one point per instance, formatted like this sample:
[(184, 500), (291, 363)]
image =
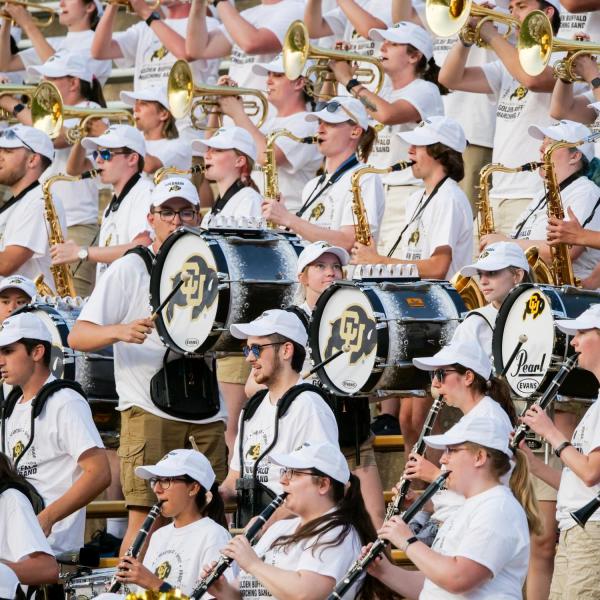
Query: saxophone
[(362, 229), (63, 279)]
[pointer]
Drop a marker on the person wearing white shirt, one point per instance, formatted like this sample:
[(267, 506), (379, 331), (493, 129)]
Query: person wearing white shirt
[(25, 153), (345, 139), (56, 445), (118, 313), (578, 481)]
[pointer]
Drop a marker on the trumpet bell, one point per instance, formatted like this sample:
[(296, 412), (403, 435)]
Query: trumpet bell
[(46, 109), (180, 89), (535, 42), (296, 49), (447, 17)]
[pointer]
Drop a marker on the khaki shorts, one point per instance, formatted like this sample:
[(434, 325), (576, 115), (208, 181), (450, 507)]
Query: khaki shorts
[(367, 455), (573, 407), (576, 573), (146, 438), (84, 273), (543, 491), (233, 369)]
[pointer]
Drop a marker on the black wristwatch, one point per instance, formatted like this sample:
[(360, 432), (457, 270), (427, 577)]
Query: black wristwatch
[(595, 83), (409, 541), (352, 84), (558, 451), (154, 16), (17, 108)]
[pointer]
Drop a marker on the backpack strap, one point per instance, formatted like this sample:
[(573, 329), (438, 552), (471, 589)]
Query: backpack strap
[(145, 254), (286, 400), (479, 314)]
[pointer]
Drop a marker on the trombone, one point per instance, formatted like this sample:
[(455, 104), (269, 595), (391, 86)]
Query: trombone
[(182, 91), (33, 7), (537, 43), (447, 18), (48, 114), (297, 50)]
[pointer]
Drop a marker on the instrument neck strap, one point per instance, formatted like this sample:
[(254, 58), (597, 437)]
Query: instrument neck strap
[(116, 200), (20, 195), (544, 200), (350, 162), (591, 216), (221, 201), (418, 212)]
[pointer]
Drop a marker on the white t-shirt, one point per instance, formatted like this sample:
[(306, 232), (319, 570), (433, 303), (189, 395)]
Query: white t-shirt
[(177, 554), (581, 197), (330, 561), (490, 529), (304, 159), (171, 153), (275, 17), (245, 203), (478, 325), (333, 208), (308, 418), (573, 493), (389, 147), (63, 432), (446, 221), (21, 531), (24, 224), (122, 296)]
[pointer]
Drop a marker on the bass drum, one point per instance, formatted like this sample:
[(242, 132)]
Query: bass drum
[(234, 278), (531, 310), (91, 585), (384, 325)]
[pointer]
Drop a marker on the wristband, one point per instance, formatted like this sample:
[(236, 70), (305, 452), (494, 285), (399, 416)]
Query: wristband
[(165, 587), (558, 451), (352, 84), (17, 108), (409, 541), (595, 83), (154, 16)]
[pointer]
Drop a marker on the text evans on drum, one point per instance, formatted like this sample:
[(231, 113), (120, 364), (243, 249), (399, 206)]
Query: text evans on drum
[(234, 277), (385, 324)]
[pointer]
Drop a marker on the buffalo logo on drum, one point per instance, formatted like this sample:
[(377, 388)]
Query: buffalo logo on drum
[(534, 306), (354, 329), (199, 292), (17, 450), (163, 570)]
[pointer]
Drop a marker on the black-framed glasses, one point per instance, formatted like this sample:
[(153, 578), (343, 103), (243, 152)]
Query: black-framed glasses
[(333, 106), (106, 154), (168, 214), (286, 473), (11, 134), (440, 374), (165, 482), (256, 349)]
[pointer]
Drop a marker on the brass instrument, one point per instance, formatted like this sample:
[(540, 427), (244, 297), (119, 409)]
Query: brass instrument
[(362, 229), (34, 7), (447, 18), (154, 4), (8, 89), (48, 114), (181, 91), (536, 44), (297, 50), (163, 172)]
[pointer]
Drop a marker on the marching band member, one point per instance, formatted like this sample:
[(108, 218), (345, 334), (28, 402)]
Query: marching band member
[(48, 431), (345, 140), (482, 549), (303, 557), (185, 483), (279, 418), (575, 575), (25, 153), (117, 313), (15, 291), (23, 546)]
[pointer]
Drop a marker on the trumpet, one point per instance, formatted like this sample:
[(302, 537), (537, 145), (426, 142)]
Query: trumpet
[(48, 113), (8, 89), (181, 91), (127, 5), (449, 17), (536, 44), (34, 7), (297, 50)]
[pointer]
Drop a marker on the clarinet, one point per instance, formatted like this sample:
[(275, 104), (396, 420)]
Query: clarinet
[(379, 544), (393, 507), (546, 398), (224, 561), (138, 543)]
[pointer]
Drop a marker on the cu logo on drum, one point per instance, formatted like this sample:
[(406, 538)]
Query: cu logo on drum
[(534, 306), (355, 330)]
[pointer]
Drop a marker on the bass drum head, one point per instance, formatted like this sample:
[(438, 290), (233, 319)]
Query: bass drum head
[(188, 318)]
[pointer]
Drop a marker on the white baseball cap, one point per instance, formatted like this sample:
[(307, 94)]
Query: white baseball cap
[(20, 283), (555, 4), (498, 256), (316, 250), (23, 325), (23, 136), (274, 66), (565, 131), (228, 138), (483, 431), (323, 456), (181, 462), (588, 319), (8, 582), (63, 64), (341, 109), (175, 187), (405, 32), (470, 355), (155, 93), (284, 322), (437, 129), (117, 136)]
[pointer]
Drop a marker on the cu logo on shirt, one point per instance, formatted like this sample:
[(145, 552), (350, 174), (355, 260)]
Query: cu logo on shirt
[(354, 330), (17, 450), (163, 570)]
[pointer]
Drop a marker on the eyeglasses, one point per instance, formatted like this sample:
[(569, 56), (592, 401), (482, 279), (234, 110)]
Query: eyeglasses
[(106, 155), (11, 134), (440, 374), (332, 107), (256, 349), (165, 482), (168, 214), (454, 450), (288, 474)]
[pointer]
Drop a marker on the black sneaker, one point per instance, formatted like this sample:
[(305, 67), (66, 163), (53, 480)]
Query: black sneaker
[(385, 424), (105, 543)]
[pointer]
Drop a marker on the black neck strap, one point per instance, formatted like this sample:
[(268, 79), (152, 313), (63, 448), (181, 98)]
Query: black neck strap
[(11, 201), (116, 200), (221, 201)]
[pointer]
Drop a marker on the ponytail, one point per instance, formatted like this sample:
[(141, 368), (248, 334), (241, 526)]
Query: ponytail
[(427, 70), (522, 487), (92, 92), (94, 16), (215, 509), (246, 171), (365, 143)]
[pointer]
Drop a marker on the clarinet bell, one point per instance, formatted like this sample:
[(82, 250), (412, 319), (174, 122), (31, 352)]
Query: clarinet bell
[(582, 515)]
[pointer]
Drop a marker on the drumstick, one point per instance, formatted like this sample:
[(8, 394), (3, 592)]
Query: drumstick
[(522, 340), (307, 374), (193, 443), (184, 278)]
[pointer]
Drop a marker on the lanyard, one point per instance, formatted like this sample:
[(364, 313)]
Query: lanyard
[(116, 200), (10, 202), (221, 201)]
